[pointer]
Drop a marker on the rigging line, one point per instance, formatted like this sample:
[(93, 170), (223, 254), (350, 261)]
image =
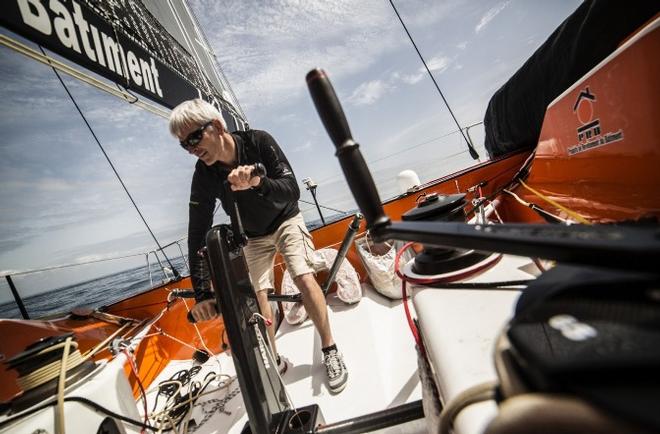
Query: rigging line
[(75, 264), (322, 206), (89, 127), (570, 212), (420, 144), (415, 146), (191, 48), (498, 191), (545, 214), (128, 91), (444, 158), (473, 152)]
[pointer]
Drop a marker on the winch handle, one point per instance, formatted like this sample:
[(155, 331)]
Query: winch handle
[(259, 170), (350, 158)]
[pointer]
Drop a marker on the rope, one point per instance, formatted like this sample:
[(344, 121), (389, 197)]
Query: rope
[(471, 395), (102, 345), (432, 282), (52, 370), (170, 415), (571, 213), (134, 370), (411, 322), (545, 214), (59, 414)]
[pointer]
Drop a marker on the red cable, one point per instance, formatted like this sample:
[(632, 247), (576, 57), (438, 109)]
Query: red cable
[(426, 281), (538, 263), (144, 394), (411, 323), (418, 281)]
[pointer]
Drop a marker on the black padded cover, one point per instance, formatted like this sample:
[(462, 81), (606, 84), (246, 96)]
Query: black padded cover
[(594, 333)]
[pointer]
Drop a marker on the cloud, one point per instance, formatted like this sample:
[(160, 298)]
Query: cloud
[(303, 147), (412, 78), (462, 45), (439, 64), (488, 16), (369, 92), (266, 61)]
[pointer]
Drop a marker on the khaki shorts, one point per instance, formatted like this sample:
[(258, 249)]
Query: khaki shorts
[(293, 241)]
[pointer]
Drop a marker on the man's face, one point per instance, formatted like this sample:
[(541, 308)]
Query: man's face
[(203, 141)]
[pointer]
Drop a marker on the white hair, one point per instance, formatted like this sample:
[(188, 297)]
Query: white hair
[(194, 112)]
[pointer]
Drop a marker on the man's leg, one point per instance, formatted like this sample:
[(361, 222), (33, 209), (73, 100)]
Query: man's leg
[(260, 255), (296, 246), (264, 306), (317, 310), (315, 306)]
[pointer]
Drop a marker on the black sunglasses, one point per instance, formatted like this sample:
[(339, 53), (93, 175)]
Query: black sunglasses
[(194, 138)]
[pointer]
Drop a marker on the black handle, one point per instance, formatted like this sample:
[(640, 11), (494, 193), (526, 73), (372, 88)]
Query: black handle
[(609, 246), (259, 170), (182, 293), (350, 158), (191, 319), (328, 107)]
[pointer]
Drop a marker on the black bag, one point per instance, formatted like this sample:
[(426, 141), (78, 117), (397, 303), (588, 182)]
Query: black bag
[(582, 354)]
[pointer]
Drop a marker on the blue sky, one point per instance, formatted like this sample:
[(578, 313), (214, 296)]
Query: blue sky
[(60, 202)]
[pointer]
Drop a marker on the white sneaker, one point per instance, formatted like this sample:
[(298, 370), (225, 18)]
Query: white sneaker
[(336, 370), (282, 365)]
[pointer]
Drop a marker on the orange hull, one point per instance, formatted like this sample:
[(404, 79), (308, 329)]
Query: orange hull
[(598, 152), (153, 353)]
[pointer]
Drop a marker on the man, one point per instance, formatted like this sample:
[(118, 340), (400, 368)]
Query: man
[(269, 211)]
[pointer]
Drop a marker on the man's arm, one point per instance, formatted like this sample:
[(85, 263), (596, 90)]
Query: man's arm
[(200, 219), (280, 183)]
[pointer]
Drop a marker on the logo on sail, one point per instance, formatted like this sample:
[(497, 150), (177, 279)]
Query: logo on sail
[(75, 31), (589, 133), (85, 35)]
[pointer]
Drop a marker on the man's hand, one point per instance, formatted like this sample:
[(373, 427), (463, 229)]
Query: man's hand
[(241, 178), (204, 310)]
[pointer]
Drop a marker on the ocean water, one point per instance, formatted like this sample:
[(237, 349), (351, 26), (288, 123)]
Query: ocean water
[(111, 288), (92, 293)]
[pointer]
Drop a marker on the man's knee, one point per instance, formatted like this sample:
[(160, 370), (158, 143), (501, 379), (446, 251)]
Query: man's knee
[(306, 282)]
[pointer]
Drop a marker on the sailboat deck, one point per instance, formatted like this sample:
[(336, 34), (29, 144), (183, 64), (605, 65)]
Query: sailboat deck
[(378, 349)]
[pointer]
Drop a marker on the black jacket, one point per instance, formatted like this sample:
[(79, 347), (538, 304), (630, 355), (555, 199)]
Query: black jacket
[(263, 209)]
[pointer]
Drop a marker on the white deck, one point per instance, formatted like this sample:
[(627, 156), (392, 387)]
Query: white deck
[(379, 352), (460, 328)]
